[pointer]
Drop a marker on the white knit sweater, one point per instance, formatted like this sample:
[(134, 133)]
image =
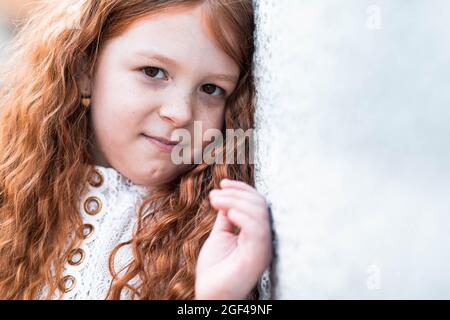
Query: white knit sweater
[(108, 209)]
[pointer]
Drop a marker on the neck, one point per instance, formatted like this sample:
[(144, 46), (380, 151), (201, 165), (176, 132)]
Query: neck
[(97, 155)]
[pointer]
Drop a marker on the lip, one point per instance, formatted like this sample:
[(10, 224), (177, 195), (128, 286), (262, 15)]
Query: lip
[(161, 143)]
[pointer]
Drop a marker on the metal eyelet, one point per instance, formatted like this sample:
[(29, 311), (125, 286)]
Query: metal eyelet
[(96, 179), (92, 206), (76, 257), (67, 283), (85, 231)]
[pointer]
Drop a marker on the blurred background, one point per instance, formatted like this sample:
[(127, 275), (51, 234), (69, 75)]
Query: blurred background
[(12, 12)]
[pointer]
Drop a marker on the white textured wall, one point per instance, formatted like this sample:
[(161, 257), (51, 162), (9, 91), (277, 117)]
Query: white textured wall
[(354, 145)]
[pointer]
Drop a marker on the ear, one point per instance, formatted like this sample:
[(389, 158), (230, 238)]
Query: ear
[(84, 77), (84, 83)]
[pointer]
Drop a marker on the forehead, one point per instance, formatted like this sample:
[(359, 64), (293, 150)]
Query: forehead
[(182, 34)]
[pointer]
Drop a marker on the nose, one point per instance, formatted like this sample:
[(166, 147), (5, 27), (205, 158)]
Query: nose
[(177, 109)]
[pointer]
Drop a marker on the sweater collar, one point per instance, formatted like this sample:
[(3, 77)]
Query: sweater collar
[(110, 177)]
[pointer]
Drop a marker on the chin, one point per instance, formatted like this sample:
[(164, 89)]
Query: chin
[(147, 177)]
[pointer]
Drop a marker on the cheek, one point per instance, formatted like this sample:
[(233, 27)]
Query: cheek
[(212, 121), (117, 109), (114, 118), (213, 118)]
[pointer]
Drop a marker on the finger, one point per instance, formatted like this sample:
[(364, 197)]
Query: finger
[(226, 203), (228, 183), (249, 227), (222, 224), (255, 198)]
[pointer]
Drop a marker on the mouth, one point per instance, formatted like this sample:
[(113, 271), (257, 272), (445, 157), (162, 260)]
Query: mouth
[(161, 143)]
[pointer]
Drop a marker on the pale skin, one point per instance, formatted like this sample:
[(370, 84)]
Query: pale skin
[(129, 100)]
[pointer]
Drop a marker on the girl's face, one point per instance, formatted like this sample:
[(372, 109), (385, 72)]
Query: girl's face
[(163, 73)]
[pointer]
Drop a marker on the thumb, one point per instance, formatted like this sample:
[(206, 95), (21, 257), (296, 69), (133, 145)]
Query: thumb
[(222, 223)]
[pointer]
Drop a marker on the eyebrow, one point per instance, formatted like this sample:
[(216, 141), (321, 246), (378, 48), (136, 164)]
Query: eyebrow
[(166, 60)]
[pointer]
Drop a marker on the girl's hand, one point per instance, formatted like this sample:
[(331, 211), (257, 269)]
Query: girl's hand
[(229, 264)]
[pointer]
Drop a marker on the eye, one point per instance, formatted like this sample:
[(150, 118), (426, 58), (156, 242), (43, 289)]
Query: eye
[(210, 89), (155, 73)]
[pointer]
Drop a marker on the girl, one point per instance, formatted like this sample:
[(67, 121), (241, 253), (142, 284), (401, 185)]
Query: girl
[(91, 204)]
